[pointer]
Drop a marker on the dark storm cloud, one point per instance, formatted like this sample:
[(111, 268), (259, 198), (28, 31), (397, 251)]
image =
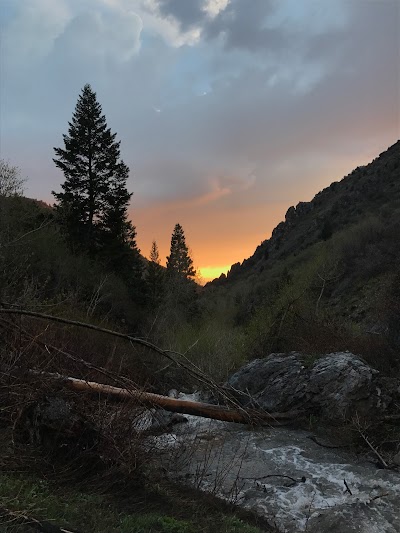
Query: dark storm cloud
[(187, 13), (244, 26), (313, 108), (258, 102)]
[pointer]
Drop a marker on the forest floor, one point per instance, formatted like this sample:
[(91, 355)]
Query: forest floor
[(34, 498)]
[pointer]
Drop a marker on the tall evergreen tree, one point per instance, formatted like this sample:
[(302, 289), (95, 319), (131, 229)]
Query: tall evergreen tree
[(155, 276), (154, 254), (179, 261), (94, 202)]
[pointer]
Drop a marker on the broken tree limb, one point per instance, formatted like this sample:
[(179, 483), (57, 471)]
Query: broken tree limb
[(205, 410), (379, 456), (126, 384), (22, 519), (169, 354)]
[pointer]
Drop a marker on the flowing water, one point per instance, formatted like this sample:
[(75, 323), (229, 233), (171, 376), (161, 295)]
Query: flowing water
[(284, 475)]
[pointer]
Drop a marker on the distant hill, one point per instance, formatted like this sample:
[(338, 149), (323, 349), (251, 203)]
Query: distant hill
[(371, 190), (329, 276)]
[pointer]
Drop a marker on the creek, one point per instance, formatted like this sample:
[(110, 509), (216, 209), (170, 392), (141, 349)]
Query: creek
[(283, 474)]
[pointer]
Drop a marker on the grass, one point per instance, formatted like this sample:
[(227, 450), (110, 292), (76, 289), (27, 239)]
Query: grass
[(81, 511)]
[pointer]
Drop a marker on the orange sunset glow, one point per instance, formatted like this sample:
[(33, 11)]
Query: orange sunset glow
[(228, 111), (222, 230), (200, 265)]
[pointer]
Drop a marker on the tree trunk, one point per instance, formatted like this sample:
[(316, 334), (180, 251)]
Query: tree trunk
[(205, 410)]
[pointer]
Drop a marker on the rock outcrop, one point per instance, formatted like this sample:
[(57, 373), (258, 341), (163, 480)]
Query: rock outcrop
[(57, 426), (336, 386)]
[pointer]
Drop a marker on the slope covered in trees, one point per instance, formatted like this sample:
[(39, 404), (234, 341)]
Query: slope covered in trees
[(327, 280), (369, 191), (328, 276)]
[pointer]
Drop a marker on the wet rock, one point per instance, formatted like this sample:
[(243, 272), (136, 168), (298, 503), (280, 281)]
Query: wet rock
[(284, 475), (267, 381), (156, 421), (163, 420), (55, 425), (336, 386)]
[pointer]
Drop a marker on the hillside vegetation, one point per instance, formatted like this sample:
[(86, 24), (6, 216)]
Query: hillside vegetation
[(94, 472), (327, 280)]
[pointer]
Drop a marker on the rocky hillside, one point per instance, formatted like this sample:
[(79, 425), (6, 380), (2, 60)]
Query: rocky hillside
[(328, 279), (371, 190)]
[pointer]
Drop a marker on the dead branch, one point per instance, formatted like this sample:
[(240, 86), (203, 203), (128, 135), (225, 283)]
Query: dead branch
[(23, 519), (188, 366), (347, 488), (192, 369), (378, 496), (76, 323), (379, 456), (21, 237), (329, 446), (131, 390), (204, 410), (366, 440), (389, 418), (301, 480), (320, 294)]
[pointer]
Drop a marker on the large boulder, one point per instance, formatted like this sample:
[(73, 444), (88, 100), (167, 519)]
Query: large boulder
[(336, 386), (57, 426)]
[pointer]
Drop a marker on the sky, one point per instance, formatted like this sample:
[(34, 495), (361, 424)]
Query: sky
[(228, 111)]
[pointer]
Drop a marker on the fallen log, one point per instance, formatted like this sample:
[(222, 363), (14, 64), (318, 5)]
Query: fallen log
[(205, 410)]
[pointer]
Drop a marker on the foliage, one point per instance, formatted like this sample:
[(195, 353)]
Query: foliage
[(214, 346), (38, 270), (155, 277), (96, 513), (11, 183), (93, 207), (335, 295), (179, 262)]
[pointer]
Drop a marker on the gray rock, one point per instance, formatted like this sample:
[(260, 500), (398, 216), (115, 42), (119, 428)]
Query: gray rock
[(336, 386), (268, 380), (53, 423)]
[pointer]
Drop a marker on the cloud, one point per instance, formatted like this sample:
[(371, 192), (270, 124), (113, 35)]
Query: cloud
[(214, 7), (161, 22), (193, 13), (101, 35), (186, 13), (31, 30), (83, 30), (297, 93)]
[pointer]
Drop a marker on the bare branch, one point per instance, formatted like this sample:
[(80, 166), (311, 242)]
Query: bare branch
[(21, 518), (11, 183), (43, 225)]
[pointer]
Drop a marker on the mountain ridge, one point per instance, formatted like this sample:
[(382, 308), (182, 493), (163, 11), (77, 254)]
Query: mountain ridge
[(340, 204)]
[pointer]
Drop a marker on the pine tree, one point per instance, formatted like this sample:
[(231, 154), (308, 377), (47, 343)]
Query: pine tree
[(179, 262), (154, 254), (155, 276), (94, 202)]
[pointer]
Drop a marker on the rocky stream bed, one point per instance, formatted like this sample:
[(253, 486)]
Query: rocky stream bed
[(286, 474)]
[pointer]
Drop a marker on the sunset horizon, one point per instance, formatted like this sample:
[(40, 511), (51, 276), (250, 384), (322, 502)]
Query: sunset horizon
[(228, 112), (200, 265)]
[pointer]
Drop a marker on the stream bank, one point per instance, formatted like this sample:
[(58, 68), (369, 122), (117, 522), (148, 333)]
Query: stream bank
[(284, 475)]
